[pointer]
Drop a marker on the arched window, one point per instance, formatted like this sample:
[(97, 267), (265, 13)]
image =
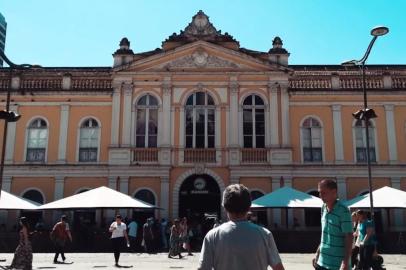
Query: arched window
[(311, 140), (146, 131), (34, 195), (145, 195), (312, 215), (37, 141), (254, 122), (200, 121), (89, 140), (360, 141)]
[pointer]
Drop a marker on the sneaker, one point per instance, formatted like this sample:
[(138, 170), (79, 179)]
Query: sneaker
[(190, 254)]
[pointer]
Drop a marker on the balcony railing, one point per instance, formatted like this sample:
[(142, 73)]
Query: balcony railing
[(254, 155), (149, 155), (194, 155)]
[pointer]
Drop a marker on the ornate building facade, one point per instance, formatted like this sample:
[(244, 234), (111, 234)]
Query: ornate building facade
[(176, 125)]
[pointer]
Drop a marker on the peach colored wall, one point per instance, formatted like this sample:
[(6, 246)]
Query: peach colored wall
[(52, 115), (45, 184), (75, 184), (400, 126), (306, 184), (358, 185), (153, 183), (297, 114), (257, 183), (76, 114)]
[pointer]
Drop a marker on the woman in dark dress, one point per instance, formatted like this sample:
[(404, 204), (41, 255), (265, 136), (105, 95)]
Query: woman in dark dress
[(23, 254)]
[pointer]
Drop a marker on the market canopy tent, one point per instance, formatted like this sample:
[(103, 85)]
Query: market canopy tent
[(385, 197), (287, 197), (101, 197), (12, 202)]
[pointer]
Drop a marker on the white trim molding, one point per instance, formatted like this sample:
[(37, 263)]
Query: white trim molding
[(338, 133), (63, 133), (391, 133)]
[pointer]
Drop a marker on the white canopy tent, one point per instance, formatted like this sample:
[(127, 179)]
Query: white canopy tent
[(12, 202), (385, 197), (101, 197), (287, 197)]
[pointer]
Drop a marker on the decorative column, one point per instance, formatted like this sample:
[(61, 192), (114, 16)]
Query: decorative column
[(288, 183), (398, 214), (58, 193), (285, 114), (11, 138), (115, 116), (181, 134), (113, 185), (338, 134), (6, 187), (276, 184), (391, 133), (273, 113), (234, 158), (124, 189), (341, 188), (128, 94), (217, 131), (63, 133), (164, 200), (166, 130)]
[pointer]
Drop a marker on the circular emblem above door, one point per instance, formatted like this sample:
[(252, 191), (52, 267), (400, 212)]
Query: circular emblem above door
[(199, 183)]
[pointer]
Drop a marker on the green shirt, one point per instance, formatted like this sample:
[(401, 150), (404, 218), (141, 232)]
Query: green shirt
[(334, 226)]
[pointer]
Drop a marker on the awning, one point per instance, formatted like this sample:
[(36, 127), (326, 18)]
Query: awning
[(287, 197), (385, 197), (9, 201), (101, 197)]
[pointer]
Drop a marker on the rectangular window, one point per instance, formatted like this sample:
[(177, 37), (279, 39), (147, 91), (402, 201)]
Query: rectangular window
[(88, 154), (361, 153), (36, 154)]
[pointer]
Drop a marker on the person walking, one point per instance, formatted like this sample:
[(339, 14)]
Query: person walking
[(334, 251), (59, 234), (239, 244), (175, 240), (23, 254), (118, 231), (132, 233), (184, 234), (148, 235), (163, 229), (367, 242), (356, 240)]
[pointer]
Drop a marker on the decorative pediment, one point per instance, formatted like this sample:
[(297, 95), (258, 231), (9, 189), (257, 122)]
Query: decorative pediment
[(200, 59)]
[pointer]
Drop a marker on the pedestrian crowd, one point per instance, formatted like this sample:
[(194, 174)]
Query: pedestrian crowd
[(347, 241)]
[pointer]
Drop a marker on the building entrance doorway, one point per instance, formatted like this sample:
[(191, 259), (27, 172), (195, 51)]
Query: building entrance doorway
[(200, 202)]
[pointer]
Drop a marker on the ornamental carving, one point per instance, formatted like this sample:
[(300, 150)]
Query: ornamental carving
[(201, 59)]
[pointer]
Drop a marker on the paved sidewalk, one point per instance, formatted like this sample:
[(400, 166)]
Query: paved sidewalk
[(160, 261)]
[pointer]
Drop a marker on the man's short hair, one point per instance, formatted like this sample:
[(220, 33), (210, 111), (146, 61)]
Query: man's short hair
[(236, 199), (329, 183), (64, 218)]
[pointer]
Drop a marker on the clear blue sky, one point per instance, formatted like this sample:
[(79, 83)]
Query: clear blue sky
[(87, 32)]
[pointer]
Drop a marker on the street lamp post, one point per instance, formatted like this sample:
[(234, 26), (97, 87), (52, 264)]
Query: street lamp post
[(6, 114), (365, 114)]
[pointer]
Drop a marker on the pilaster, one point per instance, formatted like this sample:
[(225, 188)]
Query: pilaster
[(164, 200), (342, 188), (233, 126), (115, 116), (11, 138), (338, 134), (288, 183), (127, 102), (285, 115), (398, 214), (391, 133), (63, 133), (273, 113), (276, 184)]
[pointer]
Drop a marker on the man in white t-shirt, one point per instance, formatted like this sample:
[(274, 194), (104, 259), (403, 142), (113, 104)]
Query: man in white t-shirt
[(118, 231), (239, 244)]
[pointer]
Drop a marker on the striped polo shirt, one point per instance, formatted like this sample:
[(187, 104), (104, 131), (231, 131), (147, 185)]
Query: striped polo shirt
[(334, 226)]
